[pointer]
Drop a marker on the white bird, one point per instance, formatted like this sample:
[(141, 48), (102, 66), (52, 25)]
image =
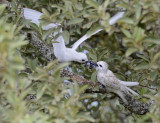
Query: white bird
[(62, 53), (109, 80)]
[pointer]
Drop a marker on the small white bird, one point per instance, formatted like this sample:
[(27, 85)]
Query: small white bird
[(109, 80), (62, 53)]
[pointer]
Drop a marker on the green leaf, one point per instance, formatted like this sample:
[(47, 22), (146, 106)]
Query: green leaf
[(152, 40), (93, 30), (143, 57), (120, 76), (79, 6), (41, 91), (130, 51), (93, 56), (127, 33), (143, 90), (75, 21), (156, 56), (2, 8), (93, 76), (45, 12), (58, 68), (51, 65), (87, 117), (76, 88), (123, 5), (59, 121), (86, 96), (66, 36), (32, 63), (138, 34), (153, 75), (83, 88), (34, 26), (19, 43), (143, 65), (102, 54), (138, 11), (87, 25), (92, 3), (47, 34), (127, 20), (147, 18)]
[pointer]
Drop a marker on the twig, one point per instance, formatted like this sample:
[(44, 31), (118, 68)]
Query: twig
[(132, 104)]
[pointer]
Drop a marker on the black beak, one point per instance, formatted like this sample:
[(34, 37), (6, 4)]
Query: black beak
[(91, 64)]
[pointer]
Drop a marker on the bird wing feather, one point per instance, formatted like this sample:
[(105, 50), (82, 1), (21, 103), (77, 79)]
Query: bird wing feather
[(108, 79), (112, 21), (34, 16), (83, 38)]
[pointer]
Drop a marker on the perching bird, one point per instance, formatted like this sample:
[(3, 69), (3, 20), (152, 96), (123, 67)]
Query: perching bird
[(111, 82), (62, 53)]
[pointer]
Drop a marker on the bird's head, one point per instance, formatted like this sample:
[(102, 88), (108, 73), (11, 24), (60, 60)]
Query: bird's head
[(101, 65), (81, 58)]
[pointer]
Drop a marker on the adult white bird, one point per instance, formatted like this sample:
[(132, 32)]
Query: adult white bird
[(111, 82), (62, 53)]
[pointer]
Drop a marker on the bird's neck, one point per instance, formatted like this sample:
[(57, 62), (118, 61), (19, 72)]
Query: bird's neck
[(103, 71)]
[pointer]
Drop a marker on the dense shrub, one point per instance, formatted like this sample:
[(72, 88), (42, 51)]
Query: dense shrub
[(131, 47)]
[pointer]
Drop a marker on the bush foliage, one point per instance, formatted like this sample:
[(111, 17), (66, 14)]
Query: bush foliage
[(131, 48)]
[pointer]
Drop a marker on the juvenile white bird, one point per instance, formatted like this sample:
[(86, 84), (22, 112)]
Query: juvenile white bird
[(109, 80), (62, 53)]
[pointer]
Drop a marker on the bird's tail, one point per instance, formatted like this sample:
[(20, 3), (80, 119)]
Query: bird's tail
[(132, 92), (126, 83), (34, 16)]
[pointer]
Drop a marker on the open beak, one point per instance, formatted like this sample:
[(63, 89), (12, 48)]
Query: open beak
[(91, 64)]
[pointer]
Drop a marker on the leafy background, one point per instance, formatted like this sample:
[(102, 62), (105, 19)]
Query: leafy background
[(131, 48)]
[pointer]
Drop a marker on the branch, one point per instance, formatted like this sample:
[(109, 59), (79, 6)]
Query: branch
[(135, 106), (43, 48), (132, 104)]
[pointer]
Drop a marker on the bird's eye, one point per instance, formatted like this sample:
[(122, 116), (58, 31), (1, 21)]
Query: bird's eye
[(83, 60), (100, 65)]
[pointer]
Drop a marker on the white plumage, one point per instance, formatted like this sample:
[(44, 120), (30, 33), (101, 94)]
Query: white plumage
[(116, 17), (109, 80), (112, 21), (62, 53)]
